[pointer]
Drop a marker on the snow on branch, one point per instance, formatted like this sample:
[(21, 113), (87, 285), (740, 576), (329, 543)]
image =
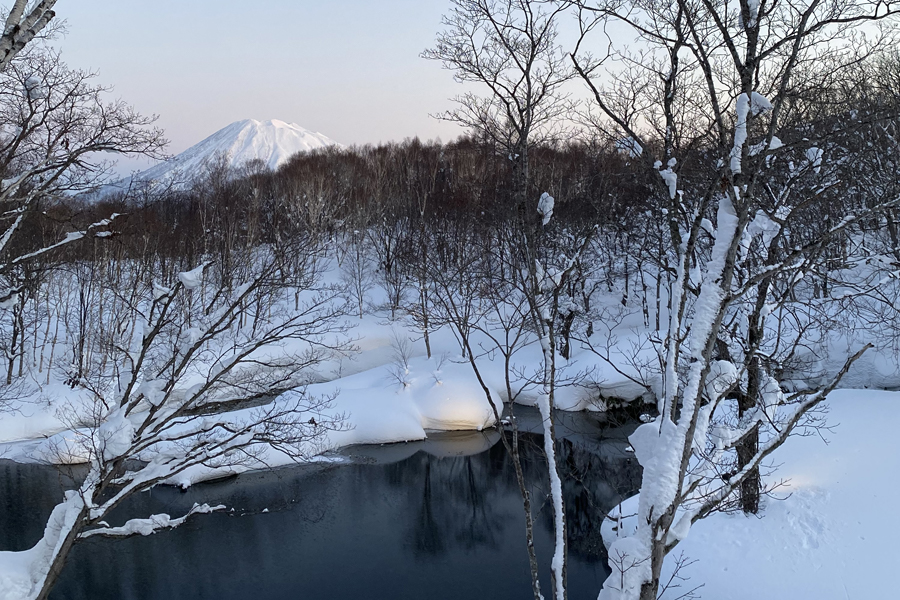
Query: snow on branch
[(149, 525), (194, 278), (800, 256), (746, 106), (712, 500), (72, 236), (545, 207), (669, 176)]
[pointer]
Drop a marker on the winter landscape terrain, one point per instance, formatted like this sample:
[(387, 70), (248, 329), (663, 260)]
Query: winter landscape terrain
[(635, 342), (271, 143)]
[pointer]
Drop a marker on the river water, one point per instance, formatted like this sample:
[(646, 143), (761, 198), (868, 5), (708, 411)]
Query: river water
[(436, 519)]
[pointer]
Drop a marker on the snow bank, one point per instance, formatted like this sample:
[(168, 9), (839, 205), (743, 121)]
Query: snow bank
[(383, 406), (832, 538), (431, 396)]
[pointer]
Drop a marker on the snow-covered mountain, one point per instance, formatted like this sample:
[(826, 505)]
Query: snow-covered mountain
[(271, 141)]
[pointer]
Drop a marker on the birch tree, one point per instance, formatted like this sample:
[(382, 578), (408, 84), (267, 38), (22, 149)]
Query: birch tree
[(710, 98), (22, 24)]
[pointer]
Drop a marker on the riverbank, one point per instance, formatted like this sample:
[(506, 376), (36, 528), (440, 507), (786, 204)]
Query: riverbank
[(834, 536)]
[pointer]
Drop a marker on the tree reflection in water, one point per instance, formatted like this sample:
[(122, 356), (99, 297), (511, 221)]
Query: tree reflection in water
[(441, 518)]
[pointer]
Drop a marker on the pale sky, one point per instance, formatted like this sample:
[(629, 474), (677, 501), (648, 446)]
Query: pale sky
[(349, 69)]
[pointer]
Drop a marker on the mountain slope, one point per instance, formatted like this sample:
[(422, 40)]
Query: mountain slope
[(272, 142)]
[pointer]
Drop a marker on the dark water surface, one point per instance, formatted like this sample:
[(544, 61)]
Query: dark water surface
[(438, 519)]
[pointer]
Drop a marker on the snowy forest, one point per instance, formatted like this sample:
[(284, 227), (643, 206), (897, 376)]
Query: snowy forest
[(636, 332)]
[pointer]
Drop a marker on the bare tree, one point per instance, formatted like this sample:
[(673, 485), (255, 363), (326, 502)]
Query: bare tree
[(511, 48), (710, 104), (488, 318), (178, 386), (56, 129), (356, 270)]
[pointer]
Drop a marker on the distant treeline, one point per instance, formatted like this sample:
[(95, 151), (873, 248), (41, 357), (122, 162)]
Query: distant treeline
[(344, 189), (413, 185)]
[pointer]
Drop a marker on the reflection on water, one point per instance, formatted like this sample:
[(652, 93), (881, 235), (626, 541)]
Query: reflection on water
[(438, 519), (28, 494)]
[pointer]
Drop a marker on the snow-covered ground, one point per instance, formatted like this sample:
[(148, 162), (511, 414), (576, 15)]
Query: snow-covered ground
[(833, 537), (387, 391)]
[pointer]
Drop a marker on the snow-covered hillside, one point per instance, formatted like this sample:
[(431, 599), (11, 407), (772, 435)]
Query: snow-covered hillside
[(272, 142)]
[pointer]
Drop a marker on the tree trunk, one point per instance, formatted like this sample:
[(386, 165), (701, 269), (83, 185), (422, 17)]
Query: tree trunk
[(513, 449), (59, 558), (566, 335), (751, 487)]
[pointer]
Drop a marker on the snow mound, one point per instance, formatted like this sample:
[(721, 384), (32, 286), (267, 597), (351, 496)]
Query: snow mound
[(388, 404), (393, 404)]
